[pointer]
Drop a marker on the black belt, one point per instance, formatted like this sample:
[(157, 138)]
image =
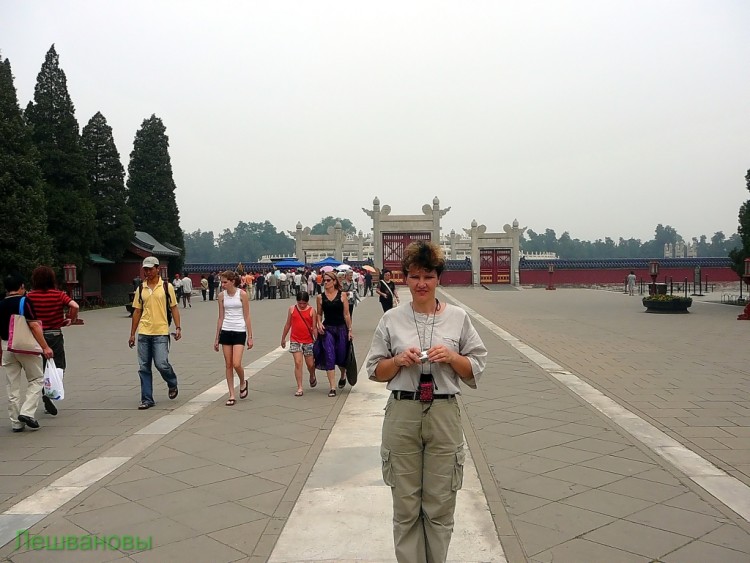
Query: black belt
[(414, 396)]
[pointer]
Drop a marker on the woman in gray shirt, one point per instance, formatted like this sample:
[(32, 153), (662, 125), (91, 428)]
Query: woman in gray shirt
[(423, 351)]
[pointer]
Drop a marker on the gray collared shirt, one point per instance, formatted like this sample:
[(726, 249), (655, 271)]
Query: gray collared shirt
[(401, 329)]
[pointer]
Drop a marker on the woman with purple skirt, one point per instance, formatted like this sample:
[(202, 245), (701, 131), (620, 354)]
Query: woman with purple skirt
[(335, 329)]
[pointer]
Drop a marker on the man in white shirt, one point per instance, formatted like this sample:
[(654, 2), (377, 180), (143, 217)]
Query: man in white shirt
[(283, 287), (187, 290), (177, 283)]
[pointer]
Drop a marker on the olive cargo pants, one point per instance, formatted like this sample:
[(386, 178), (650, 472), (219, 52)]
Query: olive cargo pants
[(423, 456)]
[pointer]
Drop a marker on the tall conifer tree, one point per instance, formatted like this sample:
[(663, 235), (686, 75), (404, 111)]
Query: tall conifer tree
[(24, 243), (738, 255), (106, 177), (151, 188), (70, 213)]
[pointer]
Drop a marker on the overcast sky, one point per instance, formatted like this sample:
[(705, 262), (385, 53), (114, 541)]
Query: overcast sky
[(600, 118)]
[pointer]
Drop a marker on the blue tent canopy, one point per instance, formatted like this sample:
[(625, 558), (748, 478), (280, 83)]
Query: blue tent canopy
[(288, 264), (327, 262)]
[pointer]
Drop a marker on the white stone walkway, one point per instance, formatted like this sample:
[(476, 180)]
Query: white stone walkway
[(344, 511)]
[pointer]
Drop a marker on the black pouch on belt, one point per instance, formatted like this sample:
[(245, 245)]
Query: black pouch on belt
[(426, 387)]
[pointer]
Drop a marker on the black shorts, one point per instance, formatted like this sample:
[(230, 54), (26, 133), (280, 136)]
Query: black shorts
[(232, 338)]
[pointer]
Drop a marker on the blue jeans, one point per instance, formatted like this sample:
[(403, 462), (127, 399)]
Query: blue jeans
[(154, 348)]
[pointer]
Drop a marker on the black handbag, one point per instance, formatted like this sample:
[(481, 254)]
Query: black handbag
[(351, 365)]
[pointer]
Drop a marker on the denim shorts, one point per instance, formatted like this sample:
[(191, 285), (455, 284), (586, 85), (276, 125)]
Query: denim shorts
[(306, 349)]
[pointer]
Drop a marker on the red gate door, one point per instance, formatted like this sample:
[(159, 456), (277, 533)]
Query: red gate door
[(494, 265), (394, 245)]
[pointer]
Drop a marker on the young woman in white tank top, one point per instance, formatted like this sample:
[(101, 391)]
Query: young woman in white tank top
[(233, 329)]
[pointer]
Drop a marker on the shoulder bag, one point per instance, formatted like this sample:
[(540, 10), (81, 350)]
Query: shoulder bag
[(20, 338)]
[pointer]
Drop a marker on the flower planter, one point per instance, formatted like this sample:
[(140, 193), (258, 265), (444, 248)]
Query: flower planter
[(669, 306)]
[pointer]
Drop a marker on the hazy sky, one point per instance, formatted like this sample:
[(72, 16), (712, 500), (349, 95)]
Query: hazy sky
[(600, 118)]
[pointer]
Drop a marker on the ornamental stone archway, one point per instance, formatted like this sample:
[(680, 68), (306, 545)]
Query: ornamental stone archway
[(392, 233)]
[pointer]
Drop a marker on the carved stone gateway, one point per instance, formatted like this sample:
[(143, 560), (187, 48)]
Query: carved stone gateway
[(390, 233), (494, 256)]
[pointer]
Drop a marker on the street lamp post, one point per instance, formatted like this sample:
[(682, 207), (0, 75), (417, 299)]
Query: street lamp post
[(551, 270), (653, 270)]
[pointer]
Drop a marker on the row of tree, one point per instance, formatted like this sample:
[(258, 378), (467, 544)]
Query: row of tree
[(575, 249), (63, 190), (249, 242)]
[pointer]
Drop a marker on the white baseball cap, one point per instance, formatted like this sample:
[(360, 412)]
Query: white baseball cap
[(150, 262)]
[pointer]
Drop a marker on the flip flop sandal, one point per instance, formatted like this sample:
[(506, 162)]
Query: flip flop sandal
[(332, 393), (230, 403), (173, 392), (244, 392), (298, 394), (342, 383), (313, 381)]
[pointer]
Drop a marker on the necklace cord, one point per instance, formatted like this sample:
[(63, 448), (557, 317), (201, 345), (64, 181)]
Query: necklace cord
[(432, 331)]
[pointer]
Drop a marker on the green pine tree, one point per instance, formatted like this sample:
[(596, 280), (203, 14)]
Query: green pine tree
[(24, 243), (106, 177), (738, 255), (70, 212), (151, 188)]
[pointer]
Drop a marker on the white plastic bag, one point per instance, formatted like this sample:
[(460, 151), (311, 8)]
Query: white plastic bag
[(53, 381)]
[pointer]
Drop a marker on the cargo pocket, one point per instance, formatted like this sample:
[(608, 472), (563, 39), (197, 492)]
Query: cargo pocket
[(385, 456), (458, 470)]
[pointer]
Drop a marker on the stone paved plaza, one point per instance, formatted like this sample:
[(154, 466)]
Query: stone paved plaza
[(598, 433)]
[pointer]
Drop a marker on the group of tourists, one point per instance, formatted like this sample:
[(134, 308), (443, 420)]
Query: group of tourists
[(422, 351), (45, 310)]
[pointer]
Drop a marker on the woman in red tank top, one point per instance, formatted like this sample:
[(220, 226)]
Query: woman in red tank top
[(302, 319)]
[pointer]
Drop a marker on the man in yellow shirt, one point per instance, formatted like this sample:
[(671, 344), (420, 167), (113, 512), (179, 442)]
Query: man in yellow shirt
[(150, 320)]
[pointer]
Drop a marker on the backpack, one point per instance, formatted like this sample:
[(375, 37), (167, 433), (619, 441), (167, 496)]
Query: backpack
[(169, 300)]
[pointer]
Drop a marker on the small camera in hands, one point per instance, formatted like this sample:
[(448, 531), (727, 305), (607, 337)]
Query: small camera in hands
[(424, 357)]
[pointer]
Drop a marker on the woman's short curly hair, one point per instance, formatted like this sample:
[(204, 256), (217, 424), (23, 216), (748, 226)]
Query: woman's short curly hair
[(426, 255), (43, 278)]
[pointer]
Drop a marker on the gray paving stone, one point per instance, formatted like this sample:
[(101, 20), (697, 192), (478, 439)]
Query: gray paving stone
[(266, 503), (531, 463), (582, 475), (700, 552), (207, 474), (677, 520), (545, 487), (244, 537), (536, 539), (217, 517), (520, 503), (117, 519), (241, 487), (730, 536), (201, 548), (180, 501), (100, 498), (568, 520), (148, 487), (650, 541), (567, 454), (608, 503), (643, 489), (580, 550), (175, 464), (618, 465)]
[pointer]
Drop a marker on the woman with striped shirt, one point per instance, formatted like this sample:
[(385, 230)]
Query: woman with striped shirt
[(49, 306)]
